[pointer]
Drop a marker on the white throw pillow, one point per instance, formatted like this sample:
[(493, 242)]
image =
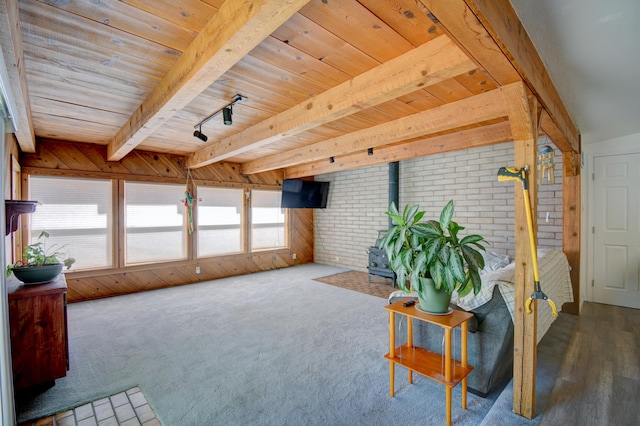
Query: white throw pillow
[(494, 261)]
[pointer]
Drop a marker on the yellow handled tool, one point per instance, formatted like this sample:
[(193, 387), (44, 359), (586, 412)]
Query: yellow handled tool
[(508, 173)]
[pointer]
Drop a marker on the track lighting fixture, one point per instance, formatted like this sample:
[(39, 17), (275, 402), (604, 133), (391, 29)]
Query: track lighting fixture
[(198, 134), (226, 111), (226, 115), (370, 151), (331, 159)]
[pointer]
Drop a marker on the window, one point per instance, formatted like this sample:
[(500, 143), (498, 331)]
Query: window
[(219, 221), (155, 222), (77, 215), (267, 220)]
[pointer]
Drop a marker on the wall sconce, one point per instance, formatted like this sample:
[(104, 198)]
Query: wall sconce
[(331, 160), (226, 111), (370, 151)]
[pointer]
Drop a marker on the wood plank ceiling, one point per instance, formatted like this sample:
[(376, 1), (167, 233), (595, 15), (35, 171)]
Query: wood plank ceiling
[(322, 78)]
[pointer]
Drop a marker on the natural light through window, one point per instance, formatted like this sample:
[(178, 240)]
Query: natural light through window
[(155, 221), (77, 215), (219, 221), (267, 220)]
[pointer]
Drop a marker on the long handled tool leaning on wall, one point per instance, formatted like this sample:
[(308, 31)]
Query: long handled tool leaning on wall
[(508, 173)]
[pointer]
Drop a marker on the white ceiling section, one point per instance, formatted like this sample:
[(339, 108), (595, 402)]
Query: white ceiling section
[(591, 49)]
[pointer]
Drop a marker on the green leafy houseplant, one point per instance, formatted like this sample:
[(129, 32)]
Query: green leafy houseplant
[(39, 255), (418, 251)]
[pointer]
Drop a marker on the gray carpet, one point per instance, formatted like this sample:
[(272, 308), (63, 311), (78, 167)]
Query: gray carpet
[(274, 348)]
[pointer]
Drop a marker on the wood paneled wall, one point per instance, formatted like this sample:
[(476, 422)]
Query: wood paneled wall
[(55, 158), (11, 170)]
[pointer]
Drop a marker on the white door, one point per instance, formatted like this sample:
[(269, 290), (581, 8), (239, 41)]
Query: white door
[(616, 246)]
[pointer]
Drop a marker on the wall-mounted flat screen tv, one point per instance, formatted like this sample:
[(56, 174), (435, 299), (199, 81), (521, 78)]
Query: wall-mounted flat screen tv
[(304, 194)]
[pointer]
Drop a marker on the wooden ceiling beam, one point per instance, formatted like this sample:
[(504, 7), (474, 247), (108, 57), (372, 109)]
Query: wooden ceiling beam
[(232, 32), (464, 139), (456, 19), (428, 64), (502, 22), (16, 86), (551, 129), (469, 111), (491, 32)]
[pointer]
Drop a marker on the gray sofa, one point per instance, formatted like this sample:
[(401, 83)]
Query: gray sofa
[(489, 342)]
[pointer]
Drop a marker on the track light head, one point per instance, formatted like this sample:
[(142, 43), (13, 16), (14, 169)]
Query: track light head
[(226, 115), (370, 151), (331, 160), (198, 134), (226, 111)]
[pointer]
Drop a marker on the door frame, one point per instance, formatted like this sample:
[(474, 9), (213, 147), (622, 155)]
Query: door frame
[(629, 144)]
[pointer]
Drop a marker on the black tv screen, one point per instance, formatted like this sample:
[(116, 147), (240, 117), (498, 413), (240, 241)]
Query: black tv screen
[(304, 194)]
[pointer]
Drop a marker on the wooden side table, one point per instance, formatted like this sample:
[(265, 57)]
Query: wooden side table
[(38, 323), (441, 368)]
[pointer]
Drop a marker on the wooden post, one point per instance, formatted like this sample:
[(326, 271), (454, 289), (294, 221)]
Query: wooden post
[(524, 114), (463, 359), (392, 351), (119, 224), (410, 343), (447, 371)]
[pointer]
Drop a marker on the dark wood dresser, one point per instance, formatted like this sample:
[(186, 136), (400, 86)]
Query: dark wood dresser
[(39, 341)]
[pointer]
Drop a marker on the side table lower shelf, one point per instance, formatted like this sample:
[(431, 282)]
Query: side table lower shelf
[(429, 364)]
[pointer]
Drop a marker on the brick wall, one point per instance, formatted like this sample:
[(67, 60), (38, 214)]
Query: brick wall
[(358, 199)]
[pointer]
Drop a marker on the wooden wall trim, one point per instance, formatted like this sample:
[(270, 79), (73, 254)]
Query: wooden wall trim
[(87, 285), (36, 171), (571, 216), (171, 264), (119, 227), (62, 158)]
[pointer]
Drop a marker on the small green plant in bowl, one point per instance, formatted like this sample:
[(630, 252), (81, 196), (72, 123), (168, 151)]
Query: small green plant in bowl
[(40, 263)]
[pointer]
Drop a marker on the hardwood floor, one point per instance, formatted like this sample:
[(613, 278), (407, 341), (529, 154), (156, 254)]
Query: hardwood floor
[(599, 383)]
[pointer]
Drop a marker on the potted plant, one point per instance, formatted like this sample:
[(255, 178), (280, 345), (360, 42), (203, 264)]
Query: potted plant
[(431, 256), (39, 264)]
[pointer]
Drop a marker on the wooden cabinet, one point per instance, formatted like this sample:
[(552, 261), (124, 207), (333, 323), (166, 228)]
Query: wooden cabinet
[(38, 322)]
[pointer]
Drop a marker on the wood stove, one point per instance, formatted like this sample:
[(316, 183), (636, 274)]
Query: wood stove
[(379, 263)]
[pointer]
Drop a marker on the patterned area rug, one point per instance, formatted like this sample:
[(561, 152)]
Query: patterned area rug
[(358, 281)]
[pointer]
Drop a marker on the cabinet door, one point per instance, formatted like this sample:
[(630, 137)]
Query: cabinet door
[(38, 339)]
